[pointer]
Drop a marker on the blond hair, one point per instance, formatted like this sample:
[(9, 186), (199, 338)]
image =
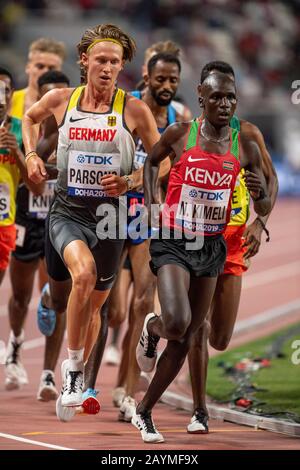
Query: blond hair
[(169, 47), (48, 45), (105, 31)]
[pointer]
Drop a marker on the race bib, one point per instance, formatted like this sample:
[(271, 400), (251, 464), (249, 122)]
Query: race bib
[(39, 205), (4, 201), (86, 169), (21, 232), (202, 210)]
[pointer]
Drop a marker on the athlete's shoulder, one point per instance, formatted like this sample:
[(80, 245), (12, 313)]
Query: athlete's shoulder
[(176, 131), (58, 96), (136, 106), (250, 130)]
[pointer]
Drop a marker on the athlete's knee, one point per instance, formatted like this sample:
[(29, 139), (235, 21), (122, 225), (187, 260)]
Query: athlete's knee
[(59, 304), (84, 279), (219, 342), (175, 327), (116, 316), (201, 335), (20, 301)]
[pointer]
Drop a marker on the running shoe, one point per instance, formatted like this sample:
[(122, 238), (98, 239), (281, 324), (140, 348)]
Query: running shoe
[(72, 381), (146, 350), (112, 356), (15, 373), (47, 389), (118, 395), (127, 409), (145, 424), (90, 404), (46, 317), (199, 423)]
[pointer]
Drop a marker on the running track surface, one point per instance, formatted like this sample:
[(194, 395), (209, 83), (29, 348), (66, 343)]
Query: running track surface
[(25, 423)]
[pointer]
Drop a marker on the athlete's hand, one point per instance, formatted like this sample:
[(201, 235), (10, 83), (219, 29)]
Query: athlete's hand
[(252, 237), (8, 141), (36, 169), (114, 185), (253, 183)]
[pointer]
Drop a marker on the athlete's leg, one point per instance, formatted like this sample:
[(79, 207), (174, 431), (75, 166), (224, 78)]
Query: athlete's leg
[(43, 276), (225, 310), (22, 279), (218, 330), (94, 361), (183, 311), (81, 265), (142, 303)]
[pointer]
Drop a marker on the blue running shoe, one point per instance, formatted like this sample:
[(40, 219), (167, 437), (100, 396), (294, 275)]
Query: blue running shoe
[(46, 317), (90, 404)]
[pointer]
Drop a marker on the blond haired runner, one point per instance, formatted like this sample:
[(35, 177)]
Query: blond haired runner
[(94, 158)]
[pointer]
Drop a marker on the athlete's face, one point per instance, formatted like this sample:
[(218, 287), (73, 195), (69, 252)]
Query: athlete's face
[(163, 82), (6, 92), (218, 94), (103, 64), (50, 86), (40, 63)]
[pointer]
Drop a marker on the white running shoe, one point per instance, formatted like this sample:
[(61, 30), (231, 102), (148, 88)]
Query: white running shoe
[(112, 356), (47, 389), (15, 373), (198, 423), (146, 350), (64, 413), (118, 395), (144, 423), (72, 387), (127, 409)]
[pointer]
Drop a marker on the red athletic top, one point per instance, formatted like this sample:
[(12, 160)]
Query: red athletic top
[(200, 187)]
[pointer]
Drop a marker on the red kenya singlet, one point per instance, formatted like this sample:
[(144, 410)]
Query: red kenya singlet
[(200, 187)]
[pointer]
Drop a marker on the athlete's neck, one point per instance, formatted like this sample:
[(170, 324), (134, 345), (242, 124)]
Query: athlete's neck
[(31, 96), (215, 133), (160, 113), (97, 100)]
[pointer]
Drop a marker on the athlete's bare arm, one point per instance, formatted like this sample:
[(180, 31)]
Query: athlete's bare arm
[(253, 133), (251, 160), (168, 145), (253, 232), (52, 103)]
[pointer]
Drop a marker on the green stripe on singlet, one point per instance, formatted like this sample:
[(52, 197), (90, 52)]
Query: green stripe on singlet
[(192, 138), (235, 143)]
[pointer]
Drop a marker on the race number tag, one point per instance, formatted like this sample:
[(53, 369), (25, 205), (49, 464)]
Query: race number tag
[(202, 210), (85, 170), (39, 205), (21, 231), (4, 201)]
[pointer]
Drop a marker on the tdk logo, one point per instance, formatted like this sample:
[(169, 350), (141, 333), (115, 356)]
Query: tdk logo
[(94, 159), (209, 196)]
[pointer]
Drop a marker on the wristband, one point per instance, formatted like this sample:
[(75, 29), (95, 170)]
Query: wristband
[(29, 155)]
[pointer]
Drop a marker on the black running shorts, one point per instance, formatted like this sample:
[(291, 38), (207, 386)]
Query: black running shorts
[(55, 266), (207, 261), (30, 243), (106, 253)]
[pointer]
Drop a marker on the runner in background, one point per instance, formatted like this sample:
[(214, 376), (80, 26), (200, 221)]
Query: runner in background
[(44, 55)]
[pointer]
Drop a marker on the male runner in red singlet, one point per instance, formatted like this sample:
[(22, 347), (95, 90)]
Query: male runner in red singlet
[(207, 156)]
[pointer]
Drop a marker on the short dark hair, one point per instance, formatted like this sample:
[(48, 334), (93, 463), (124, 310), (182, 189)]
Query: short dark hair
[(165, 57), (4, 71), (53, 76), (217, 66)]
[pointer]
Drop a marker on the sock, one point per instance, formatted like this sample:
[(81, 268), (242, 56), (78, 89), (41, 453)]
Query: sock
[(16, 339), (76, 359), (46, 372)]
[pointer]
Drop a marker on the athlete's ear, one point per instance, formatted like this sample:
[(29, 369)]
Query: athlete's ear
[(200, 97), (84, 59), (146, 79), (123, 64), (27, 68)]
